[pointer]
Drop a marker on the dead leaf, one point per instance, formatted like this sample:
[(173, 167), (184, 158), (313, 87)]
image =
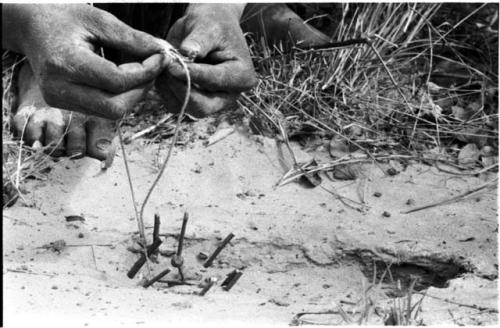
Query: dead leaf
[(346, 172), (433, 87), (478, 136), (397, 165), (338, 147), (311, 179), (459, 113), (488, 161), (468, 155)]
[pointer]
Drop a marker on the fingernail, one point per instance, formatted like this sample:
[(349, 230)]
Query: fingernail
[(190, 49), (103, 144)]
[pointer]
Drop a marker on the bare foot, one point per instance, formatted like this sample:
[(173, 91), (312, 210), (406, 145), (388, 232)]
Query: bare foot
[(63, 132), (276, 22)]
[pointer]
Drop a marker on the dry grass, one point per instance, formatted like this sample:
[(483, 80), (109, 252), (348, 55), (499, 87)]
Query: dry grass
[(368, 309), (412, 93), (19, 161), (429, 88)]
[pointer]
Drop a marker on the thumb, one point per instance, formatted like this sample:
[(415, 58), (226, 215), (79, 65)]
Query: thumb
[(197, 44)]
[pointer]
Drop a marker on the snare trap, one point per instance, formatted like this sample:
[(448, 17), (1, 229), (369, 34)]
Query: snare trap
[(177, 260)]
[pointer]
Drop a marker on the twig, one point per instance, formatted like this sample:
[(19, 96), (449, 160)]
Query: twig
[(218, 250), (148, 129), (156, 278), (140, 262), (140, 222), (93, 256), (472, 306), (156, 227), (453, 199), (481, 171), (30, 272)]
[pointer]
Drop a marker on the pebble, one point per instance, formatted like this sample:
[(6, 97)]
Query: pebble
[(386, 214), (392, 171), (377, 194)]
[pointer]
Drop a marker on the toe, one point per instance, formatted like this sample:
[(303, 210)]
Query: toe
[(100, 134), (76, 144), (54, 130), (25, 127)]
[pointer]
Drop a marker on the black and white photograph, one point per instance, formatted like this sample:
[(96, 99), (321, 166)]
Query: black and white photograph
[(172, 164)]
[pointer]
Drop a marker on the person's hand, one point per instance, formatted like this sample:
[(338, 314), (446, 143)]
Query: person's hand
[(61, 44), (211, 34)]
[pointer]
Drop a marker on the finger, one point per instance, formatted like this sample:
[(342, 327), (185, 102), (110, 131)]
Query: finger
[(201, 103), (20, 124), (112, 32), (86, 67), (197, 44), (76, 140), (174, 36), (54, 131), (229, 76), (90, 101)]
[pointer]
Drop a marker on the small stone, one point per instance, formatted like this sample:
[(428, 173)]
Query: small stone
[(54, 287), (386, 214), (202, 256), (392, 171), (410, 202), (377, 194), (81, 235)]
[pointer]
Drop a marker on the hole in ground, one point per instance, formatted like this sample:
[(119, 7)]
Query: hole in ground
[(397, 278)]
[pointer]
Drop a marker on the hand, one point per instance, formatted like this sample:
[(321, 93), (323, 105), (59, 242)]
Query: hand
[(209, 33), (61, 41)]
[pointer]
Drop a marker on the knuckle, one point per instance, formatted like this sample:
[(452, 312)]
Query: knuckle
[(113, 109), (118, 84)]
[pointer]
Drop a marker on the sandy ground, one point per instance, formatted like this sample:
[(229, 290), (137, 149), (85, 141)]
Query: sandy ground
[(300, 249)]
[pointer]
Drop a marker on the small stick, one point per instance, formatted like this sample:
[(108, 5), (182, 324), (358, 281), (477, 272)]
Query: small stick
[(183, 232), (156, 278), (231, 280), (218, 250), (86, 245), (156, 228), (93, 256), (453, 199), (140, 262), (147, 130), (176, 283), (207, 287)]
